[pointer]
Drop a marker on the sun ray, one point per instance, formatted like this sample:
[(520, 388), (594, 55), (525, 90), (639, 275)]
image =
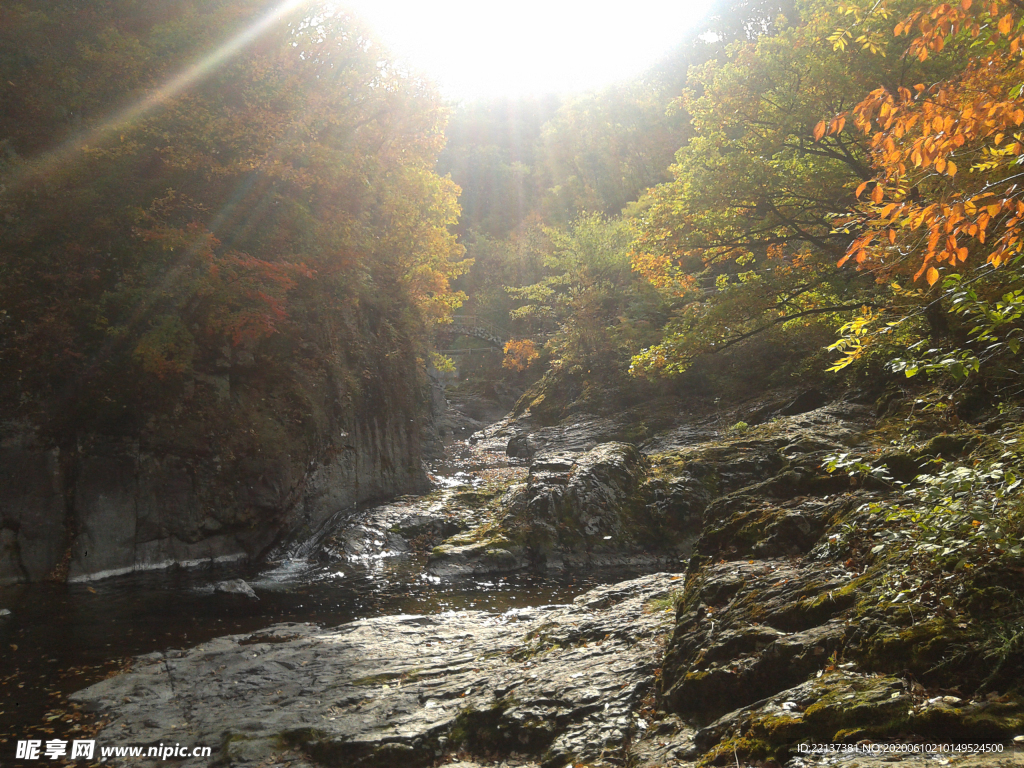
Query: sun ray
[(67, 151)]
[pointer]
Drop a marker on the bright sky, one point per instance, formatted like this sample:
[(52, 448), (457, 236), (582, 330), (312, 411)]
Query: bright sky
[(473, 48)]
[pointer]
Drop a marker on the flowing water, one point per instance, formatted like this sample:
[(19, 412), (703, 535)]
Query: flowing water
[(62, 637)]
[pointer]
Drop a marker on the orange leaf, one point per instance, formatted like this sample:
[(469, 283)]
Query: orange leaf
[(951, 168), (1006, 24), (861, 188), (819, 130), (877, 193), (933, 275)]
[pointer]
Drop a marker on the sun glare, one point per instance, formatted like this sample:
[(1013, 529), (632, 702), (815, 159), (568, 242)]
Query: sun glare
[(485, 49)]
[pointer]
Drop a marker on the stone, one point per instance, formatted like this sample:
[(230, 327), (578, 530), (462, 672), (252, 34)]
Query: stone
[(557, 684), (32, 509), (522, 447), (11, 571), (575, 510), (105, 513), (808, 400)]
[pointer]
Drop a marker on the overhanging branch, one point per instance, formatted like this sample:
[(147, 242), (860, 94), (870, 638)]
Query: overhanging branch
[(786, 319)]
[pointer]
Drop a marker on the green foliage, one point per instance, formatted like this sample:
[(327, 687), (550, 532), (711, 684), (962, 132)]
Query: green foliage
[(957, 514), (982, 330), (745, 237), (442, 362), (602, 151), (589, 300), (855, 465), (742, 237), (952, 513)]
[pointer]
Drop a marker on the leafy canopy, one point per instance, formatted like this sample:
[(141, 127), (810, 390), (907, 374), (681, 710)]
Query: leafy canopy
[(258, 206)]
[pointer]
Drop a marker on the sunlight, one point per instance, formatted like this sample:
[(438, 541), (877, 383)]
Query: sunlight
[(177, 84), (476, 49)]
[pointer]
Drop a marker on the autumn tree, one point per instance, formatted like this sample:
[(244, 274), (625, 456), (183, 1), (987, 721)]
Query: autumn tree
[(547, 161), (184, 184), (939, 220), (743, 238)]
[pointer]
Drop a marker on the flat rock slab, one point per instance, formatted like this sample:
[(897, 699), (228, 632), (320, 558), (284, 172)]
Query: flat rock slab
[(544, 685)]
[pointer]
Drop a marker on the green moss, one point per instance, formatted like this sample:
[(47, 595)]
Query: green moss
[(669, 602), (737, 748), (636, 432), (479, 497)]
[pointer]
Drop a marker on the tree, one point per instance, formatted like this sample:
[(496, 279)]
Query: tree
[(602, 151), (943, 197), (743, 238), (595, 311), (185, 182)]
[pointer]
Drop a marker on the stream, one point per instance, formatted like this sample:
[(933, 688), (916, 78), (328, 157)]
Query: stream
[(60, 638)]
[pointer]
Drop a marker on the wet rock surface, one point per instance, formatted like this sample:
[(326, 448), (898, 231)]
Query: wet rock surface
[(553, 685), (796, 617), (792, 627), (674, 495), (176, 495), (576, 509)]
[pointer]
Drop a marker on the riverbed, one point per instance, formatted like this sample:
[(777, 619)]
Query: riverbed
[(60, 638)]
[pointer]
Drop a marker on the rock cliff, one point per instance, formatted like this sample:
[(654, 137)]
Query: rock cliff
[(240, 463)]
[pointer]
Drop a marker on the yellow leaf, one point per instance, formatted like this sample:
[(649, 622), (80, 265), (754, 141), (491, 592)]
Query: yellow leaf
[(951, 168), (933, 275), (1006, 24), (819, 130)]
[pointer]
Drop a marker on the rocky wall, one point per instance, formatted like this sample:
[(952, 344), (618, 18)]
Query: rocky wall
[(111, 505)]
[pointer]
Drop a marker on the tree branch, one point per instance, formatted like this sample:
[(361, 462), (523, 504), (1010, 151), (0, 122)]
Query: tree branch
[(785, 319)]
